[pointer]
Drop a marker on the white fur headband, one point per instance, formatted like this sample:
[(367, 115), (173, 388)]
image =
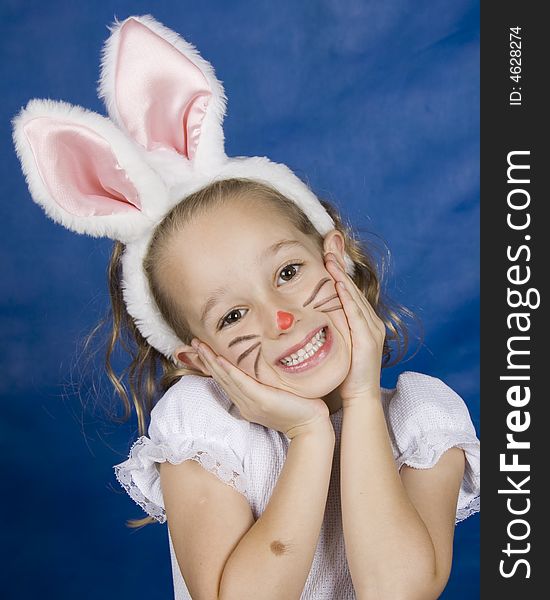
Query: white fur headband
[(118, 177)]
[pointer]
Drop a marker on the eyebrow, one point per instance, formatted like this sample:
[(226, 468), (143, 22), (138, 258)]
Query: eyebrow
[(218, 294)]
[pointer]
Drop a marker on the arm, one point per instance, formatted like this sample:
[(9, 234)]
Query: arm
[(222, 553), (398, 530), (274, 557)]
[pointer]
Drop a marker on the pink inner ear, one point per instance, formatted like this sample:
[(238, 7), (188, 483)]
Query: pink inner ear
[(161, 95), (80, 169)]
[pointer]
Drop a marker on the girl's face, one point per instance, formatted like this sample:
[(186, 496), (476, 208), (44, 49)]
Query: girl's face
[(256, 291)]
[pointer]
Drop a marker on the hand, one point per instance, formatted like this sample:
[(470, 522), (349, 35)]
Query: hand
[(259, 403), (368, 333)]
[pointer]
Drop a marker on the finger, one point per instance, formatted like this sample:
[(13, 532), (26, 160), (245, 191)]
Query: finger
[(375, 326), (374, 318), (361, 336), (217, 370), (238, 376), (208, 358), (377, 321), (359, 296), (354, 314), (340, 275), (234, 380), (339, 271)]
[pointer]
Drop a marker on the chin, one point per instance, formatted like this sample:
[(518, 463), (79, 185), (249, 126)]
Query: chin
[(321, 384)]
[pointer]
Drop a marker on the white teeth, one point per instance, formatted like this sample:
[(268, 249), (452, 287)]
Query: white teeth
[(308, 350)]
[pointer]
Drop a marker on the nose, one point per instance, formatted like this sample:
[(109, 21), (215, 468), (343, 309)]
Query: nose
[(284, 319)]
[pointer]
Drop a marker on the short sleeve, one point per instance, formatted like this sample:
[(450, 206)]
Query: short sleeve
[(193, 420), (427, 418)]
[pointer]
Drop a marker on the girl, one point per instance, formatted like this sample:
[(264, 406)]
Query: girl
[(283, 468)]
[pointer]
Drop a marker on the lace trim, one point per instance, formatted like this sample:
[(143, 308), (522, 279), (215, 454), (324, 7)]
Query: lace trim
[(425, 450), (123, 473), (466, 511)]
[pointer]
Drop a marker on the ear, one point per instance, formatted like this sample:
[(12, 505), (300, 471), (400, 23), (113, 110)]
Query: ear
[(334, 242), (159, 90), (85, 173), (186, 355)]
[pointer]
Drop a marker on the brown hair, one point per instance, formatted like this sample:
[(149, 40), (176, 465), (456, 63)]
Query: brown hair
[(145, 382)]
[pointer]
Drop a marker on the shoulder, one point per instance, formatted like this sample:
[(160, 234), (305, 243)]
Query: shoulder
[(421, 402), (196, 406), (425, 419), (193, 420)]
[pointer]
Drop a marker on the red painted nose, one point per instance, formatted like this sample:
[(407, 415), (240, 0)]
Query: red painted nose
[(284, 319)]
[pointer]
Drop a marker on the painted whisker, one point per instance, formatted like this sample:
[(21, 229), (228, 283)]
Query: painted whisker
[(247, 352), (241, 338), (331, 309), (316, 290), (325, 300)]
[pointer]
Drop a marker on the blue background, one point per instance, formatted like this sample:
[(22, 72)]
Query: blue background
[(375, 104)]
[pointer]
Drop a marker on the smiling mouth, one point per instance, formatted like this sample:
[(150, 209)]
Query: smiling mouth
[(309, 354), (309, 349)]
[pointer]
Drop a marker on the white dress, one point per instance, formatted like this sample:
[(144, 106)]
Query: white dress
[(196, 420)]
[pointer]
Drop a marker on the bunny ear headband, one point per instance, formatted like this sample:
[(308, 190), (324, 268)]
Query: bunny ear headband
[(118, 177)]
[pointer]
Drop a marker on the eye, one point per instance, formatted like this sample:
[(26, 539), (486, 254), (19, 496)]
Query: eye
[(289, 271), (229, 318)]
